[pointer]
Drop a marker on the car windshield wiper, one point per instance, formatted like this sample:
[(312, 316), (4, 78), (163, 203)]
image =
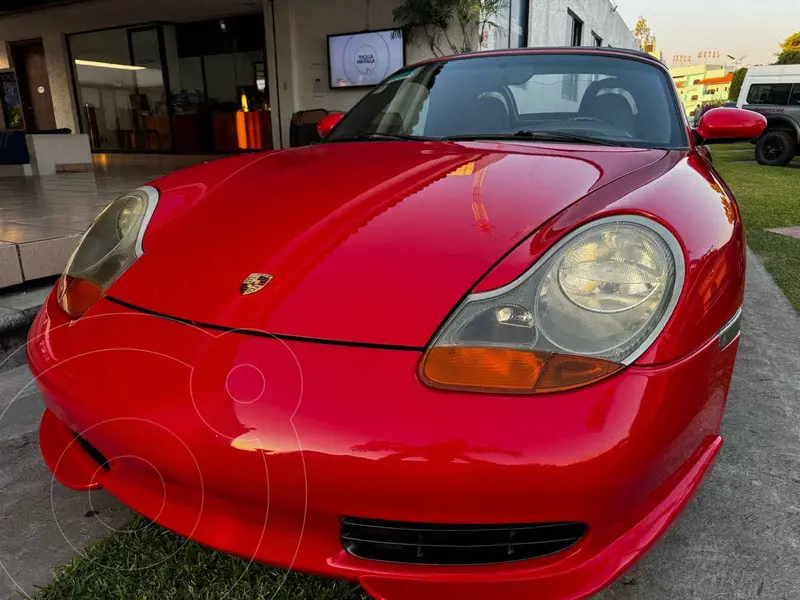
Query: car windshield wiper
[(379, 137), (539, 136)]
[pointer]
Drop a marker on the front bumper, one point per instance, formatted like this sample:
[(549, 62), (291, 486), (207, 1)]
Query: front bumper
[(259, 447)]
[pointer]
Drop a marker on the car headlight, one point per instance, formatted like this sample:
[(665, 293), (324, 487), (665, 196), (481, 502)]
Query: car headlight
[(590, 306), (111, 244)]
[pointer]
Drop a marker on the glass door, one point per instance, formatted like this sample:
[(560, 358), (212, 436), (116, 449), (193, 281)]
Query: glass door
[(223, 91), (119, 75), (239, 116), (149, 102)]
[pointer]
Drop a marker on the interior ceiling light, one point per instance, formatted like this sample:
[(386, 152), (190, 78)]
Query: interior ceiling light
[(106, 65)]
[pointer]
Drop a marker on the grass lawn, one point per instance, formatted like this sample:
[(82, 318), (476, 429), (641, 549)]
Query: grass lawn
[(768, 197), (148, 562)]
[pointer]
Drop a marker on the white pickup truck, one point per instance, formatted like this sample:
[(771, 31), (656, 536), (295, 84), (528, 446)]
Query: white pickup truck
[(774, 91)]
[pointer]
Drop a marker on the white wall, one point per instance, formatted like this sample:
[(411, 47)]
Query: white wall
[(301, 29), (551, 25)]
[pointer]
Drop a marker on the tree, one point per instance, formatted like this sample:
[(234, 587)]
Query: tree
[(791, 43), (789, 57), (736, 84), (642, 33), (790, 51), (436, 18)]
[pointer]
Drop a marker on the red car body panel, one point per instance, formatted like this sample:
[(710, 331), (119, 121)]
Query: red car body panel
[(180, 430), (255, 424), (411, 220)]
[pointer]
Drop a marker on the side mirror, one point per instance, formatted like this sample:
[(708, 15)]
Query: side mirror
[(723, 125), (327, 123)]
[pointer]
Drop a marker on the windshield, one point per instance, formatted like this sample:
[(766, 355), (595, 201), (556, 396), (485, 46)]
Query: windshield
[(564, 97)]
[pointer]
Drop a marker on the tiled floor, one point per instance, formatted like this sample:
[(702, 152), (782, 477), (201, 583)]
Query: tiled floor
[(42, 218)]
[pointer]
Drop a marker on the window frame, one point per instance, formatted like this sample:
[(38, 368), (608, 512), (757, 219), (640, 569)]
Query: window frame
[(794, 93), (523, 12), (598, 41), (576, 29)]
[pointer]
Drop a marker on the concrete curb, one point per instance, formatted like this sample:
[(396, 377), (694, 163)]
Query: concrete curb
[(18, 308)]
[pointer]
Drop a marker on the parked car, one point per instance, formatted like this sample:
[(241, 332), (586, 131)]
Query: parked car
[(774, 91), (475, 344)]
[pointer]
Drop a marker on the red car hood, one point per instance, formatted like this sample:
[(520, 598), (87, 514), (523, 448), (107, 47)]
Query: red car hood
[(371, 243)]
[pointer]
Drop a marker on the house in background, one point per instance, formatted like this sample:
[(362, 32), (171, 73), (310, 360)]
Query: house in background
[(702, 84), (653, 50)]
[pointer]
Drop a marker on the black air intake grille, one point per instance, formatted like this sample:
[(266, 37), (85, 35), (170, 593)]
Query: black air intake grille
[(429, 544)]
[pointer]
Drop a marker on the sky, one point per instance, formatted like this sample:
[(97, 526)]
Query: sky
[(735, 27)]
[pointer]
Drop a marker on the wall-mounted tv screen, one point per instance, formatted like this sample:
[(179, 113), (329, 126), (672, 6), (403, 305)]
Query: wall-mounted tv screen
[(364, 59)]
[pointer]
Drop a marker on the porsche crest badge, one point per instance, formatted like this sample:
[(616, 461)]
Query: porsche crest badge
[(254, 282)]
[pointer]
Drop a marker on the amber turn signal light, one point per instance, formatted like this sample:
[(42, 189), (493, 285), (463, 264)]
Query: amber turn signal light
[(504, 370), (566, 372), (76, 295)]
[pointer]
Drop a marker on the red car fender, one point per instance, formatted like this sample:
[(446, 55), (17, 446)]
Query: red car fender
[(684, 194)]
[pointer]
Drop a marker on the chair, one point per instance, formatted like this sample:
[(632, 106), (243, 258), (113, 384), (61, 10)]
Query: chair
[(303, 127)]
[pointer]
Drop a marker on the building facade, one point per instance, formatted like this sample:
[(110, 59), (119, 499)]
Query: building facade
[(652, 49), (702, 84), (210, 76)]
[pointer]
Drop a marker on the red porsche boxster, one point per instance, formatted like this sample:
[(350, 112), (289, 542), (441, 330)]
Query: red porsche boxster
[(476, 343)]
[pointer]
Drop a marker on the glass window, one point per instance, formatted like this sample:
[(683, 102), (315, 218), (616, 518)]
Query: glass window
[(149, 101), (617, 99), (496, 35), (598, 41), (508, 28), (222, 105), (120, 87), (770, 93), (794, 99), (217, 97), (576, 31)]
